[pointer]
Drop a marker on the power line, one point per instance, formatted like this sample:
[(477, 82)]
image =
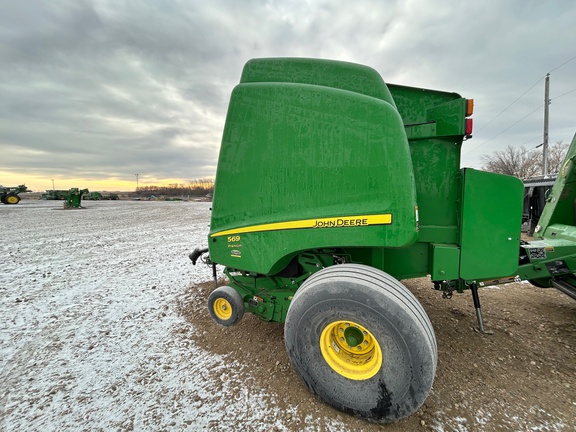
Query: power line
[(533, 139), (508, 128), (516, 100), (563, 94), (566, 62)]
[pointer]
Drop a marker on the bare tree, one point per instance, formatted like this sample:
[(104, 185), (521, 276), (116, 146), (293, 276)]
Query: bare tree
[(522, 163), (515, 161), (556, 154)]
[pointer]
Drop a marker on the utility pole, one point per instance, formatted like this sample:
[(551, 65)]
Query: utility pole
[(136, 182), (546, 121), (52, 184)]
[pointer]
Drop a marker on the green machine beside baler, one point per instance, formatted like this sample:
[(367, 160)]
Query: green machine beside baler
[(331, 187)]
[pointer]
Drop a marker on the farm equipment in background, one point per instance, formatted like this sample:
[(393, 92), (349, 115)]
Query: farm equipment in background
[(9, 194), (92, 196), (333, 186), (536, 191), (98, 196), (54, 194), (74, 198)]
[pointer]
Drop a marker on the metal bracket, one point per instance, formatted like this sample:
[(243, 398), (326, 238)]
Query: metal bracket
[(476, 299), (447, 290)]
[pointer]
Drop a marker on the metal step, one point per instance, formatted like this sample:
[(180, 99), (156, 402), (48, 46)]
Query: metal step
[(565, 287)]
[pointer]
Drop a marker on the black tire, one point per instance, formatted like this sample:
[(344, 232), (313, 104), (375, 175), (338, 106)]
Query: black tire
[(226, 306), (385, 312)]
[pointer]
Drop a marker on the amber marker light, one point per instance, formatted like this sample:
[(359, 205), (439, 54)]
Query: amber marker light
[(469, 107)]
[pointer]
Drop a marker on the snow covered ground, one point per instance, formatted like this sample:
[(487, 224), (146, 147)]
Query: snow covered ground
[(93, 338), (90, 338)]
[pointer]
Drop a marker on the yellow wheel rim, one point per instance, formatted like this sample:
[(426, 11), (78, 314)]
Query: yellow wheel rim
[(222, 309), (12, 200), (351, 350)]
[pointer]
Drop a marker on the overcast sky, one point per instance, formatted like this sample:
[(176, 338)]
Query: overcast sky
[(93, 92)]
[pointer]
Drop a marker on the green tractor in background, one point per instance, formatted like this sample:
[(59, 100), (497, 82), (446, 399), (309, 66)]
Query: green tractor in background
[(9, 195)]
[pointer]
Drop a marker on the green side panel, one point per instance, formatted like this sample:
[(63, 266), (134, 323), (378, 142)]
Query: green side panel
[(299, 153), (436, 163), (408, 262), (401, 263), (445, 262), (491, 219), (435, 124), (561, 206)]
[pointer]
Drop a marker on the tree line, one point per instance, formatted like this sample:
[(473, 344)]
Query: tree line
[(192, 188)]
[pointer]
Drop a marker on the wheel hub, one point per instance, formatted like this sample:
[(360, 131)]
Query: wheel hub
[(222, 309), (351, 350)]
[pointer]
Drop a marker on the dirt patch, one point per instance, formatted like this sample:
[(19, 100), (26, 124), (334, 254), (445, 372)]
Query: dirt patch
[(522, 377)]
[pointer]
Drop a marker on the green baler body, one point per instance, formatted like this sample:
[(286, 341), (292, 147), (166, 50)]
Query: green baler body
[(303, 154), (321, 155)]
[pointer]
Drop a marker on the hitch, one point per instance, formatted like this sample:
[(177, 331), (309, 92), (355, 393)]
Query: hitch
[(197, 253)]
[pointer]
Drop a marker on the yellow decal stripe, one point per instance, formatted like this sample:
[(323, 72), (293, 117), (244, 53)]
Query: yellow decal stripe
[(333, 222)]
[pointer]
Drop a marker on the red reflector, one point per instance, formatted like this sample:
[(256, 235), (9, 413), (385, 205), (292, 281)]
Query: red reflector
[(469, 125)]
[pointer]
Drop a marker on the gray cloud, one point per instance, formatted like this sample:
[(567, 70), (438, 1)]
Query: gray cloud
[(101, 89)]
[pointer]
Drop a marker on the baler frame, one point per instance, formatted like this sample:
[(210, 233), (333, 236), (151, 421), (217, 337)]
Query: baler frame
[(331, 187)]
